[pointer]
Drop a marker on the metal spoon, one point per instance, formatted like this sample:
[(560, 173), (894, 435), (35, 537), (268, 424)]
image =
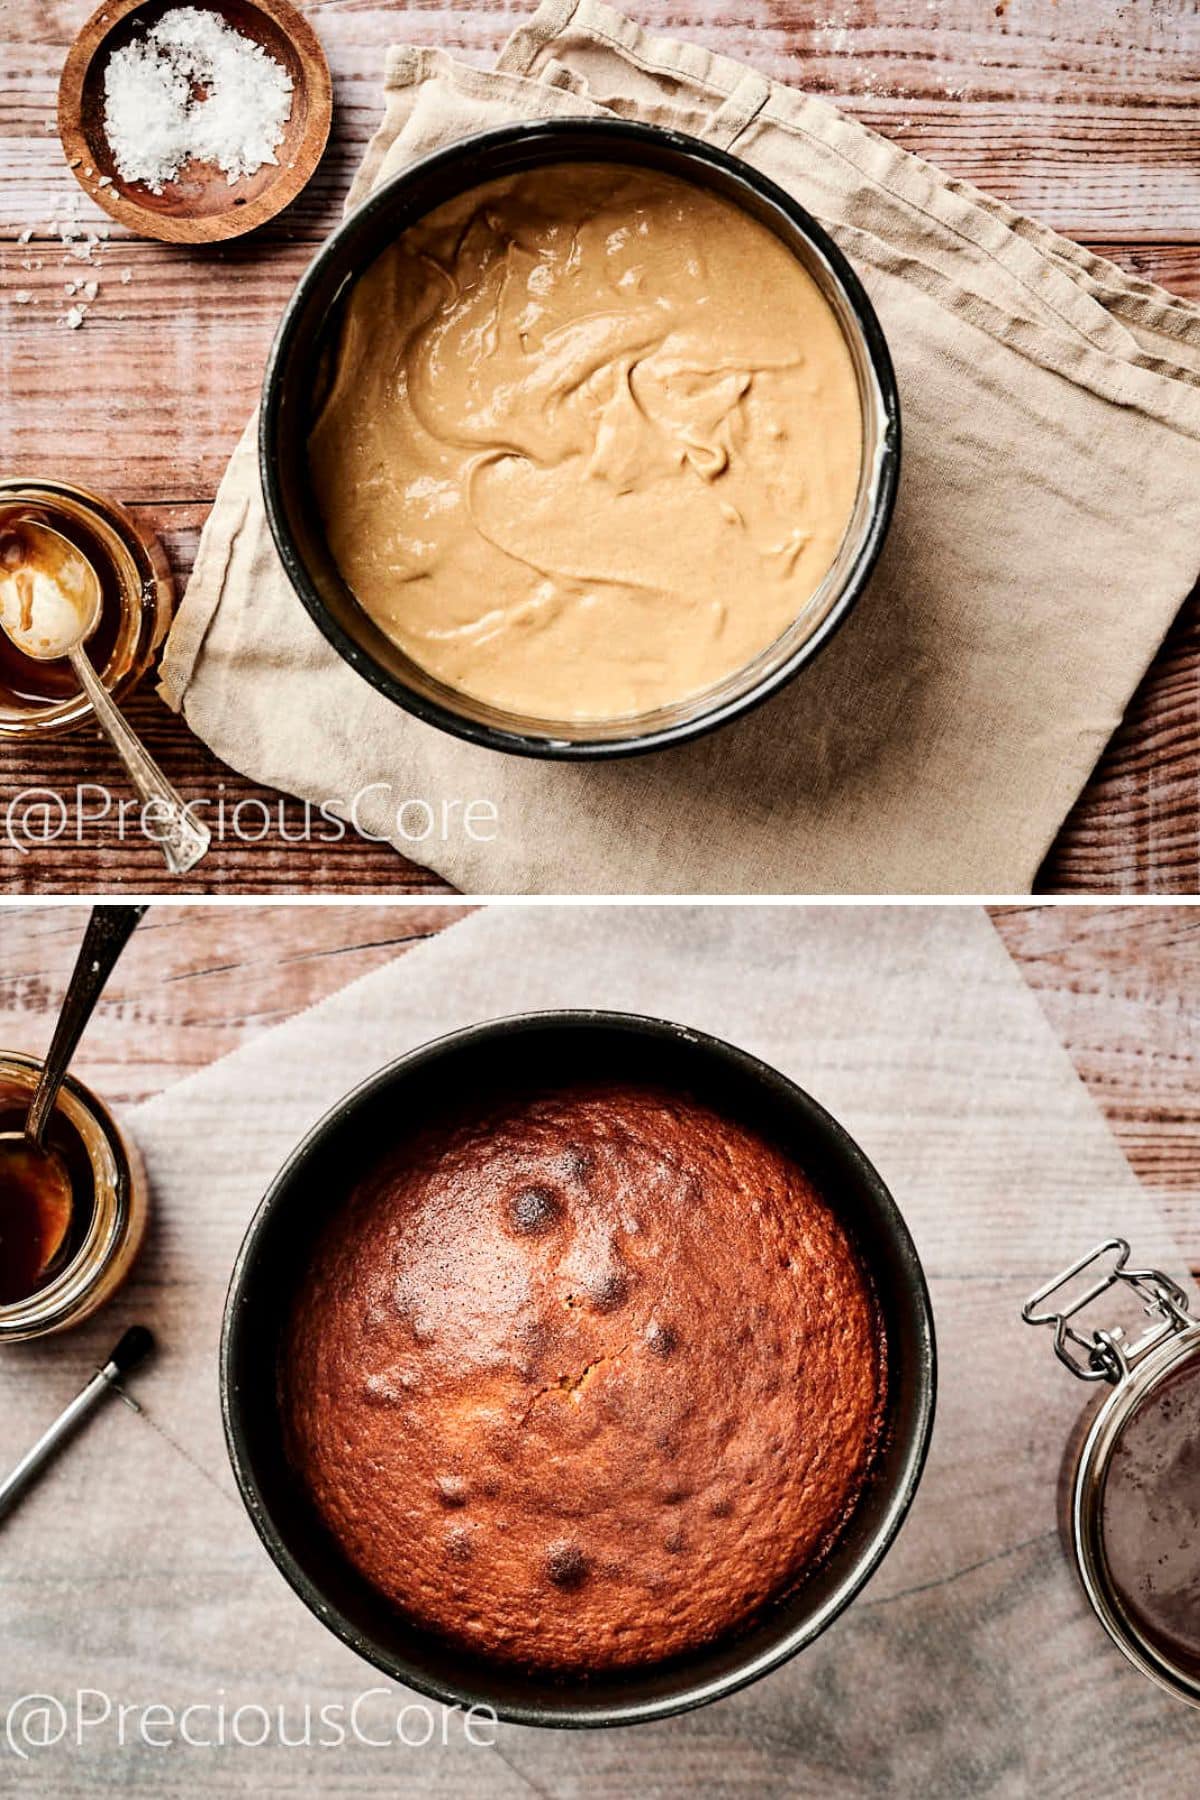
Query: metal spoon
[(50, 604), (26, 1161)]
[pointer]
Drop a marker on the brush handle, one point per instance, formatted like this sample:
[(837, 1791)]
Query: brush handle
[(133, 1348), (50, 1442)]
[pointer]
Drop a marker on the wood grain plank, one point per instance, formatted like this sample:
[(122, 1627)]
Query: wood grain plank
[(1136, 827), (1081, 111), (195, 982), (1121, 987), (61, 829)]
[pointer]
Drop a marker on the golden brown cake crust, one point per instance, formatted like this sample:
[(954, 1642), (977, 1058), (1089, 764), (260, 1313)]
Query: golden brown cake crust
[(586, 1379)]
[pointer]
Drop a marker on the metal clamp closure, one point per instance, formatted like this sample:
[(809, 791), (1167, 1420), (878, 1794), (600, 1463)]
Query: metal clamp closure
[(1107, 1355)]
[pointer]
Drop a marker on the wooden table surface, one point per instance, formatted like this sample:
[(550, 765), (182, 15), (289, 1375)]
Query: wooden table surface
[(1120, 986), (1080, 111)]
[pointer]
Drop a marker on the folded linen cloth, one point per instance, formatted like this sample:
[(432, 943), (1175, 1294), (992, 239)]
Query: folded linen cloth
[(1047, 530), (970, 1665)]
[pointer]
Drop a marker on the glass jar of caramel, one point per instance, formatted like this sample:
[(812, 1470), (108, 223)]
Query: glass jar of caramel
[(1129, 1494), (137, 600), (57, 1271)]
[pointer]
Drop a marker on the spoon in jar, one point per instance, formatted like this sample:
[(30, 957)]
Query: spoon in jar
[(50, 604), (36, 1199)]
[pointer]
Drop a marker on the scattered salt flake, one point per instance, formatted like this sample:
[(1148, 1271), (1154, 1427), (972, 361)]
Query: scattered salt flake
[(126, 276), (69, 287), (106, 181), (155, 120), (26, 235), (74, 319), (22, 296), (91, 289)]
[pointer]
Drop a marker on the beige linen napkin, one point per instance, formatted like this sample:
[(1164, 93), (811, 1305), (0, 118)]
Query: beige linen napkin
[(1047, 529), (970, 1665)]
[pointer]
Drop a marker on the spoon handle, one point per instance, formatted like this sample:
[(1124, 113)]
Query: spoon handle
[(182, 839), (107, 934)]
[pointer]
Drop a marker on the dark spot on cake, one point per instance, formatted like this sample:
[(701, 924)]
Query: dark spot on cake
[(534, 1211), (674, 1495), (579, 1162), (505, 1443), (566, 1566), (458, 1543), (662, 1339), (452, 1490), (674, 1542), (721, 1508), (608, 1288), (533, 1333), (534, 1345)]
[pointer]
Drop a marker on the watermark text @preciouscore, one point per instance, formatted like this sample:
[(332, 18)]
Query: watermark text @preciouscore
[(90, 813), (376, 1719)]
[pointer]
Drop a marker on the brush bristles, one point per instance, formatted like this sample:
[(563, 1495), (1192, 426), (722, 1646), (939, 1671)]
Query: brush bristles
[(133, 1348)]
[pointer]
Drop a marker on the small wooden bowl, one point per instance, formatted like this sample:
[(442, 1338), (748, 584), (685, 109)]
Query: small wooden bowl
[(199, 206)]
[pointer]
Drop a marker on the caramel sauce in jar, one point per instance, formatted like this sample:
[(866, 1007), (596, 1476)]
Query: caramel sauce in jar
[(137, 600), (43, 1219)]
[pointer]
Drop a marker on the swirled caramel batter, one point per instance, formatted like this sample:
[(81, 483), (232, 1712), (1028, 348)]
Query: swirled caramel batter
[(591, 443)]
